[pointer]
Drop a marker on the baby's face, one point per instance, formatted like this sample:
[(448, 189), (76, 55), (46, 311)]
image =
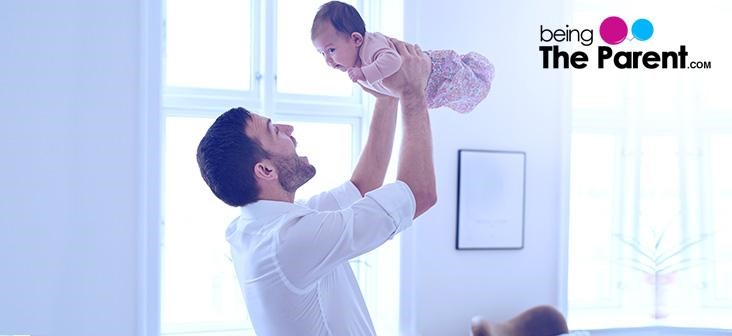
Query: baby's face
[(339, 50)]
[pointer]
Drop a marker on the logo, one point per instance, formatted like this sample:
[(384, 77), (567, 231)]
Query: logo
[(614, 32)]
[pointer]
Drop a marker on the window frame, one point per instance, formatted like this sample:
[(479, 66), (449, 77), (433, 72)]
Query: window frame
[(693, 136), (262, 98)]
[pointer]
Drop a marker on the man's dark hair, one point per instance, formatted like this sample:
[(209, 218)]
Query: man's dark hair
[(226, 157), (344, 18)]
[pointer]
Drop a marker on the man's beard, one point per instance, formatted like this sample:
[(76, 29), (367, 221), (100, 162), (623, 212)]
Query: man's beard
[(292, 171)]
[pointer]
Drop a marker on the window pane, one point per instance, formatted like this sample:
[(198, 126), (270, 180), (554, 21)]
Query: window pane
[(659, 202), (379, 283), (199, 286), (659, 255), (672, 189), (588, 101), (715, 88), (208, 44), (721, 213), (713, 83), (594, 167), (300, 69), (328, 147)]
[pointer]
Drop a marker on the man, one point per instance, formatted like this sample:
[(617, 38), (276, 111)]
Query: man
[(292, 260)]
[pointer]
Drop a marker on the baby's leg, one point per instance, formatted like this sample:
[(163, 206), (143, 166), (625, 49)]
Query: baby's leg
[(459, 82)]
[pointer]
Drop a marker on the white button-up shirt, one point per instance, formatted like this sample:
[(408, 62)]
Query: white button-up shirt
[(292, 259)]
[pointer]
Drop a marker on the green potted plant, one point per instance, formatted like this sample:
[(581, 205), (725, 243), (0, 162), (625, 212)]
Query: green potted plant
[(660, 259)]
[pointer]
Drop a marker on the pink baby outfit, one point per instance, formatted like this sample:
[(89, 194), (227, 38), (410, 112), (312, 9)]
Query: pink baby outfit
[(459, 82)]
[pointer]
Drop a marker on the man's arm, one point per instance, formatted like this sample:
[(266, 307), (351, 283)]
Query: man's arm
[(416, 166), (371, 168)]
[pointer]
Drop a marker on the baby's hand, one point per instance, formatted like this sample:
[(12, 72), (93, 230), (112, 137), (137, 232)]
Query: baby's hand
[(356, 74)]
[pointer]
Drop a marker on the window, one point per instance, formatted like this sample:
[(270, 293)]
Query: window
[(221, 54), (650, 190)]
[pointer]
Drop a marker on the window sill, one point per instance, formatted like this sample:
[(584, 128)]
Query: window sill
[(631, 323), (656, 331)]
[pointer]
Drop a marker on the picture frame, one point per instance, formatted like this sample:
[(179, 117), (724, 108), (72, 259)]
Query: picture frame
[(491, 200)]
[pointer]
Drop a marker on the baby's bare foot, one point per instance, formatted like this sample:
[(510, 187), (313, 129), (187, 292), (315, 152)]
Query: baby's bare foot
[(480, 327)]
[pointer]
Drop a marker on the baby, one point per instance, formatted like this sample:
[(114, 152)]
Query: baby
[(459, 82)]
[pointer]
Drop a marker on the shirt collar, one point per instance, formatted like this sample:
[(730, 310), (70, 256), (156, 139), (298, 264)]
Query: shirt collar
[(265, 210)]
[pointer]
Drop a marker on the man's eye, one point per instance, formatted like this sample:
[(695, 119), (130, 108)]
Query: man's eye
[(331, 50)]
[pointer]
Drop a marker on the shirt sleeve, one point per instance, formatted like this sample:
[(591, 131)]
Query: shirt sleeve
[(312, 245), (337, 198)]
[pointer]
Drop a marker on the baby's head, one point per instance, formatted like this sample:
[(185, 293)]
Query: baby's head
[(337, 34)]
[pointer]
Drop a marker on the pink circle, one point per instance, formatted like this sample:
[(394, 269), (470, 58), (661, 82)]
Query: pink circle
[(613, 30)]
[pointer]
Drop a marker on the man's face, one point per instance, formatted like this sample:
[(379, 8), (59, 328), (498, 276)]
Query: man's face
[(277, 140)]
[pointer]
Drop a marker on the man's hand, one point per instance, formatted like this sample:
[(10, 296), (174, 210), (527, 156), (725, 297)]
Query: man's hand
[(356, 74), (412, 76)]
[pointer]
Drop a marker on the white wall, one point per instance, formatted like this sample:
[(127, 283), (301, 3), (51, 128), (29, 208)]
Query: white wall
[(522, 112), (69, 142)]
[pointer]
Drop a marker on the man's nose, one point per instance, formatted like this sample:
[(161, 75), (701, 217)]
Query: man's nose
[(287, 129)]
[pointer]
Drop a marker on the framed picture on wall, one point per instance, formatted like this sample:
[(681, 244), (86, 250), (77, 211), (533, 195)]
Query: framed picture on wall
[(490, 200)]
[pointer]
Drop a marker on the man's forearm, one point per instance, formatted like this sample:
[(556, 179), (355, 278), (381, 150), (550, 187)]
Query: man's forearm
[(371, 168), (416, 166)]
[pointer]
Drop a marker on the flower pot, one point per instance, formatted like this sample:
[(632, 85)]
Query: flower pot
[(661, 283)]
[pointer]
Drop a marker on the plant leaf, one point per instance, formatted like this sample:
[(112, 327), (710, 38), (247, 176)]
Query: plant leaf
[(666, 256)]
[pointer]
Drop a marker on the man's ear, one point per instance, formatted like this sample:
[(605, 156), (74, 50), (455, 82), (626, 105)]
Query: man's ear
[(265, 170), (357, 38)]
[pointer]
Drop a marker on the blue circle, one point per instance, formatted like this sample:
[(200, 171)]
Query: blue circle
[(642, 29)]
